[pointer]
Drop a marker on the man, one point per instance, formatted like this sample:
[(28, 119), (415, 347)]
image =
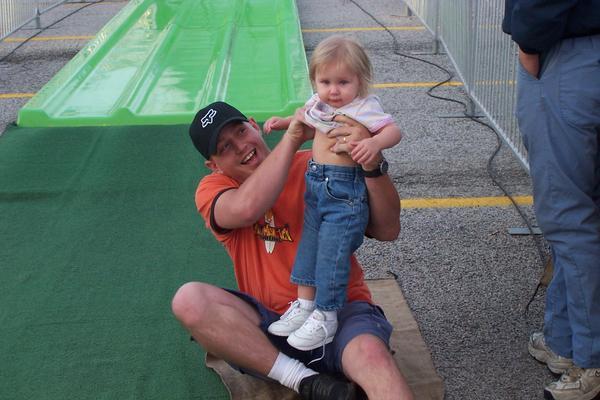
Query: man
[(558, 109), (252, 202)]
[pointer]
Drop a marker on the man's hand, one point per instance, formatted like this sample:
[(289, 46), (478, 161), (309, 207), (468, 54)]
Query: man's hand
[(366, 152), (530, 62), (298, 131), (353, 131), (348, 135), (351, 139)]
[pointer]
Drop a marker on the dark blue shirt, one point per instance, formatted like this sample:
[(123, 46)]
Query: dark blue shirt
[(537, 25)]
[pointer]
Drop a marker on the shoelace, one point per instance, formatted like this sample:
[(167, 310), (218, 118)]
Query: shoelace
[(323, 345), (572, 374), (290, 309)]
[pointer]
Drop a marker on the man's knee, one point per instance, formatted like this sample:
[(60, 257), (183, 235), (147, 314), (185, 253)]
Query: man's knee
[(371, 349), (191, 301)]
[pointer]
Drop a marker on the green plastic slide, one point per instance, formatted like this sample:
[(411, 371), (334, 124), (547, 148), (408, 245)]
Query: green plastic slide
[(159, 61)]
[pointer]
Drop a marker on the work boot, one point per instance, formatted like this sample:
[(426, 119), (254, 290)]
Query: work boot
[(327, 387), (540, 351), (575, 384)]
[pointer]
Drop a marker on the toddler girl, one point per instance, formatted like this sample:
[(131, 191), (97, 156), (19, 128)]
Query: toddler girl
[(336, 208)]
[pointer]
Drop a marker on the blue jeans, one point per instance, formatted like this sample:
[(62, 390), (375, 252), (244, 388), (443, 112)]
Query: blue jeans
[(336, 214), (559, 118)]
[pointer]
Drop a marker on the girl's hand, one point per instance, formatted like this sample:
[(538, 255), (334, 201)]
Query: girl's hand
[(365, 152), (271, 124)]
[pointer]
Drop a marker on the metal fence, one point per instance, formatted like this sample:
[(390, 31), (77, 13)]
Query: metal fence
[(484, 57), (15, 14)]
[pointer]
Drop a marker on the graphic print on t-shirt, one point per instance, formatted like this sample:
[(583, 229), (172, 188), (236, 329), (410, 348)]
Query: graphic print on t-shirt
[(271, 233)]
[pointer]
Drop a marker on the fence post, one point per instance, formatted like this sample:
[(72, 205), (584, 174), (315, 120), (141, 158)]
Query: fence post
[(436, 27), (472, 13), (38, 20)]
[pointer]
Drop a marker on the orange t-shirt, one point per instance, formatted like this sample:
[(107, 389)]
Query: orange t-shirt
[(263, 254)]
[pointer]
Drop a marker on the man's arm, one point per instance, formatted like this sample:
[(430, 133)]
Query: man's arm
[(384, 201), (537, 25), (384, 208), (243, 206)]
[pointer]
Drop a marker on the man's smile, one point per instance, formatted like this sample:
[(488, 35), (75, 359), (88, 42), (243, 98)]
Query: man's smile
[(249, 156)]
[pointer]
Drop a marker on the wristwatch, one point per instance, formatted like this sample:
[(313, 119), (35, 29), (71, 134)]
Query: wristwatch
[(381, 169)]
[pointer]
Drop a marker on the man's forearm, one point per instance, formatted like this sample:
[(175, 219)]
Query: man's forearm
[(262, 188), (245, 205), (384, 209)]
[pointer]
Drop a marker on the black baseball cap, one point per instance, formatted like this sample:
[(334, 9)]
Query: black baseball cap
[(207, 125)]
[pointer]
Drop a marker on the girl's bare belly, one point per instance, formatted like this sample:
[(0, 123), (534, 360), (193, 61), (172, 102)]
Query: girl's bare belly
[(322, 154)]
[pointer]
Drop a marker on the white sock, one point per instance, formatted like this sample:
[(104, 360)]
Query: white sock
[(306, 304), (330, 315), (289, 372)]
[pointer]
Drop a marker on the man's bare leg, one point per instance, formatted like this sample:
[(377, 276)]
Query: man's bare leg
[(228, 327), (224, 325), (367, 361)]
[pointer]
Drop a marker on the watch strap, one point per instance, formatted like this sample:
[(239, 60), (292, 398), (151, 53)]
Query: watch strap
[(380, 170)]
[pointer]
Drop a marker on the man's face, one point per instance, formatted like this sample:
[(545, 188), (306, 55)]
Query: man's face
[(240, 150)]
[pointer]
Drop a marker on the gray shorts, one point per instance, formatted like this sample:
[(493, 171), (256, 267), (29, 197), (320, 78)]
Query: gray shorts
[(356, 318)]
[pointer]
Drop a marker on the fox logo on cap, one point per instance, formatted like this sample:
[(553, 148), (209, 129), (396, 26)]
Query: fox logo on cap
[(208, 122), (208, 118)]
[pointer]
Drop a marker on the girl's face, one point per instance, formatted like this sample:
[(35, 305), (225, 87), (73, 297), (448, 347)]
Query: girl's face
[(336, 85)]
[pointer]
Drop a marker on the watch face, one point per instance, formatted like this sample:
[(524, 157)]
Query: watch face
[(384, 166)]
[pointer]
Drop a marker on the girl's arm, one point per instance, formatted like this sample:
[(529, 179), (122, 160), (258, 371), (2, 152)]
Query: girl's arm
[(387, 137), (368, 150), (277, 124)]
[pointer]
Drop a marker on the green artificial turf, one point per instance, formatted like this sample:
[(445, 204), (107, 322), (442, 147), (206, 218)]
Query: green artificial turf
[(98, 230)]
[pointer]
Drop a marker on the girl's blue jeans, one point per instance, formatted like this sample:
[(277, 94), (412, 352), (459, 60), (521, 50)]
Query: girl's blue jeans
[(336, 214)]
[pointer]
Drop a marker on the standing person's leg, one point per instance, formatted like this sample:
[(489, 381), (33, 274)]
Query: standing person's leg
[(597, 190), (560, 122), (536, 130), (557, 328), (556, 325)]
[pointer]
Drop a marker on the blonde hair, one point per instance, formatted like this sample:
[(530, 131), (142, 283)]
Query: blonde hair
[(340, 50)]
